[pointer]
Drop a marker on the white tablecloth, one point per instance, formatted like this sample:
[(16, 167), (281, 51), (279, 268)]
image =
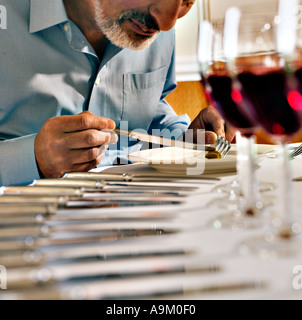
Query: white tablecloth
[(221, 246)]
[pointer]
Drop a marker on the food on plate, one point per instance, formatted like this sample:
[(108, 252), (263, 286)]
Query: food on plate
[(213, 155)]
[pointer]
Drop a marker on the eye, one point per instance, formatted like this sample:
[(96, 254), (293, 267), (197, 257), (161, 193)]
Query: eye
[(188, 2), (186, 7)]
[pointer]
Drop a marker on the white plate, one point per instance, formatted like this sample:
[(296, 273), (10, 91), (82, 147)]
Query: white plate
[(177, 161), (180, 161)]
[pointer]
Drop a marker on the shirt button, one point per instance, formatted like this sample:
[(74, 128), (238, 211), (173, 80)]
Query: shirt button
[(97, 81), (66, 27)]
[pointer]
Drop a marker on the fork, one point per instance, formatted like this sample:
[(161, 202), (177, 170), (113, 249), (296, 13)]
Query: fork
[(222, 146), (296, 152)]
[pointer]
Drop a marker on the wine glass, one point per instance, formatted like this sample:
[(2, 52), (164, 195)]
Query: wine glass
[(272, 84), (216, 50)]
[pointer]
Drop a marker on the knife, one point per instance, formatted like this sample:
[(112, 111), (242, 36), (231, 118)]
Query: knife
[(163, 141), (40, 236), (95, 185), (100, 290), (173, 294), (128, 177), (25, 209), (36, 258), (32, 199), (41, 191), (41, 218), (27, 214), (25, 278), (49, 229)]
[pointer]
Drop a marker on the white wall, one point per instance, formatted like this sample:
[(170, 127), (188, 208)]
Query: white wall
[(187, 32), (186, 45)]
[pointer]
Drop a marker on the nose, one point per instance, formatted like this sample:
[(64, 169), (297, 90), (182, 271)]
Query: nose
[(166, 13)]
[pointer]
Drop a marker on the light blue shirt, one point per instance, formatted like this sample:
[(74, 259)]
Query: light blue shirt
[(48, 69)]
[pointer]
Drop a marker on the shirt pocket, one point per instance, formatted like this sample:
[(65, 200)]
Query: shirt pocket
[(142, 93)]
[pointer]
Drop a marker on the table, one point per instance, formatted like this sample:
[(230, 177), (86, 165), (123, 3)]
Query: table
[(211, 264)]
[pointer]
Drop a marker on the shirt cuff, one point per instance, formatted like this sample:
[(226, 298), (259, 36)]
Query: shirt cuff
[(18, 162)]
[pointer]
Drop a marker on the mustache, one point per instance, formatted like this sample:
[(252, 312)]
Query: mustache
[(143, 18)]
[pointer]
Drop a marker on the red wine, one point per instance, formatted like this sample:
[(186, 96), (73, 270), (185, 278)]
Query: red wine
[(262, 94), (227, 102), (273, 100)]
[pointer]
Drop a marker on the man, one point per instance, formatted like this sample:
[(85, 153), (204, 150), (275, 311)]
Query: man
[(71, 69)]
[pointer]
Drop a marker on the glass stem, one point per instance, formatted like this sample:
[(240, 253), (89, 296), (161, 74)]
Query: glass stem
[(246, 166), (286, 192)]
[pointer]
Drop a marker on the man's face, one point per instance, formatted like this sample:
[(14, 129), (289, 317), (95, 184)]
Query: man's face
[(135, 24)]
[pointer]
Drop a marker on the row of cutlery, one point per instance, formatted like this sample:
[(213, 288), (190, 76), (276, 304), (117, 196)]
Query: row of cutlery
[(72, 238)]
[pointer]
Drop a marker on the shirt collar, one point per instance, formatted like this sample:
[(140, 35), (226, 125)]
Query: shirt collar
[(45, 14)]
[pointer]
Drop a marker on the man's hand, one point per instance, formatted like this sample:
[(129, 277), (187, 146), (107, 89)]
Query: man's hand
[(210, 120), (72, 143)]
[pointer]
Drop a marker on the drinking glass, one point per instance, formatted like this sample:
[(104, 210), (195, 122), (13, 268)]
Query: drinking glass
[(218, 43), (271, 80)]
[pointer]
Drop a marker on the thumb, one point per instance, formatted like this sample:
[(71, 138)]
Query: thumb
[(210, 137)]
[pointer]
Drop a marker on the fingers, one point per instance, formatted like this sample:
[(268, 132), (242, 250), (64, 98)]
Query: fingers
[(216, 121), (85, 167), (200, 136), (230, 133), (210, 119), (82, 160), (210, 137), (83, 155), (97, 155), (90, 138), (72, 143), (85, 121)]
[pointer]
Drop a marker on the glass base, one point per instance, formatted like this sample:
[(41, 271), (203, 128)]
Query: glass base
[(237, 220), (234, 187), (273, 245), (232, 202)]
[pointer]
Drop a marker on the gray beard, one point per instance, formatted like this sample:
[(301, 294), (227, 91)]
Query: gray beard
[(115, 33)]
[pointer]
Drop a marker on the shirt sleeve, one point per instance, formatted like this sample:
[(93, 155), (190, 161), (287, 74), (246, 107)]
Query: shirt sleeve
[(166, 121), (18, 161)]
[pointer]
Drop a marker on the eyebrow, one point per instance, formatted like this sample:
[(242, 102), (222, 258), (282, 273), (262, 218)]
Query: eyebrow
[(188, 1)]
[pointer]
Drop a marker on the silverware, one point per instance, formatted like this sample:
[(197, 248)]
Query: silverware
[(128, 177), (108, 290), (94, 186), (222, 145), (25, 209), (29, 218), (35, 258), (26, 278), (134, 135), (121, 202), (296, 152), (202, 290), (91, 195), (32, 199), (29, 238), (41, 218), (46, 232), (41, 191)]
